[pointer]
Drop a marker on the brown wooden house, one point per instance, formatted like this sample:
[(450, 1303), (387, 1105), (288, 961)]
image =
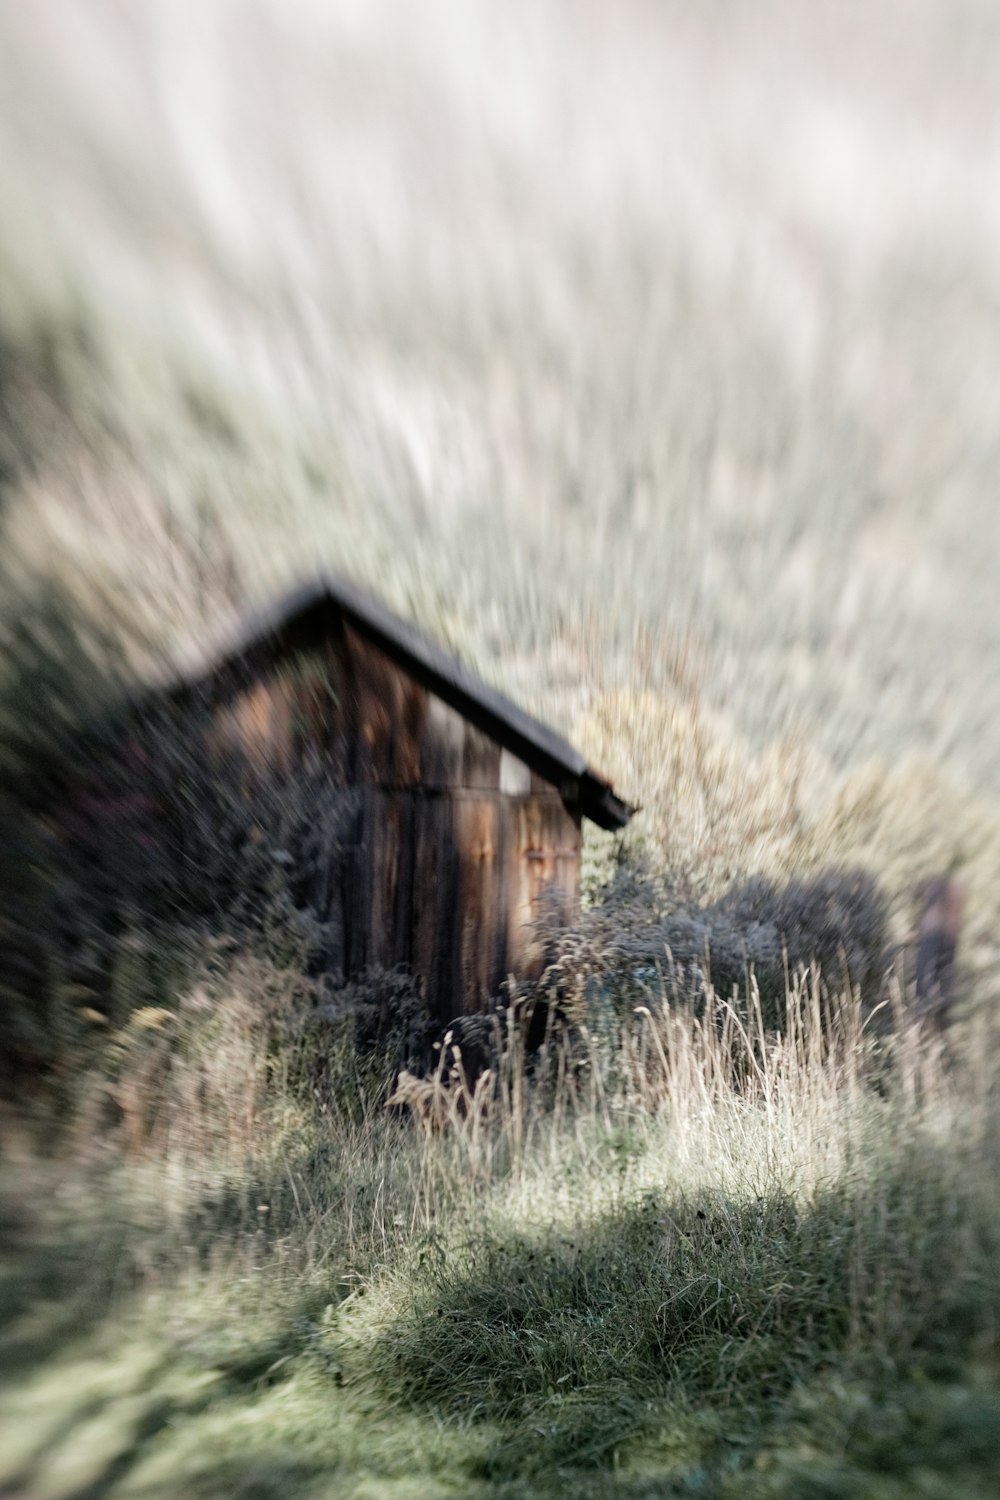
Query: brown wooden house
[(461, 816)]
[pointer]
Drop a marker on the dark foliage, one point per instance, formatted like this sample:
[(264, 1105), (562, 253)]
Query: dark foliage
[(836, 921)]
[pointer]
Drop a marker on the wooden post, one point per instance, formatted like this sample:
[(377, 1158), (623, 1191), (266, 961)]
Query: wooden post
[(937, 940)]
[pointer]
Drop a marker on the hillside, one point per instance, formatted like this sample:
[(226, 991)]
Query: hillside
[(647, 356)]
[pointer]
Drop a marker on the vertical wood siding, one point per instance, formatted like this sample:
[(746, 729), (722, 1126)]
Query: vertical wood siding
[(455, 849)]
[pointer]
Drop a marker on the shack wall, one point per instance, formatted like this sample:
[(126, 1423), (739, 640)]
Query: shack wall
[(454, 850)]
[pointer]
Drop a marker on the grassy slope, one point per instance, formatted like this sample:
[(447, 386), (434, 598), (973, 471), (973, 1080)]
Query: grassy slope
[(651, 361), (663, 1283), (683, 1269)]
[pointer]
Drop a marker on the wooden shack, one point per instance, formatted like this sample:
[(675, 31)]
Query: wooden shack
[(459, 831)]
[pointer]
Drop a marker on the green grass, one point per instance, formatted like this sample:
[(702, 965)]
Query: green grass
[(631, 1287)]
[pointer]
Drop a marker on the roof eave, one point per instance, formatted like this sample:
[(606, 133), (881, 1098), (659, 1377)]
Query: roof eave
[(601, 804), (546, 752)]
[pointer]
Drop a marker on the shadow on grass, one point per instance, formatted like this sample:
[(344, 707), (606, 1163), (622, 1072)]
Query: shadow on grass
[(264, 1476), (70, 1297), (271, 1478), (121, 1395), (673, 1346), (672, 1334), (56, 1285)]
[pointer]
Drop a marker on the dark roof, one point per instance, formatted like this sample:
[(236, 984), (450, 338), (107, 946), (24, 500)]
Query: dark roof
[(306, 612)]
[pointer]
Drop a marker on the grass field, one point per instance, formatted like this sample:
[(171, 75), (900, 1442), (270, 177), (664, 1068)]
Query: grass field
[(642, 1279), (648, 356)]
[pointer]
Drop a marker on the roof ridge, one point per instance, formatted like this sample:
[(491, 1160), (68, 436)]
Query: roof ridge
[(440, 670)]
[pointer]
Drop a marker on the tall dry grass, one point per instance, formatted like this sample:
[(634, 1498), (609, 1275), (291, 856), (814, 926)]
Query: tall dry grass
[(678, 1240)]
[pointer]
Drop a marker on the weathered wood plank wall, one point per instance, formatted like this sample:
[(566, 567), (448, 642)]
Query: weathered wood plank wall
[(454, 847)]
